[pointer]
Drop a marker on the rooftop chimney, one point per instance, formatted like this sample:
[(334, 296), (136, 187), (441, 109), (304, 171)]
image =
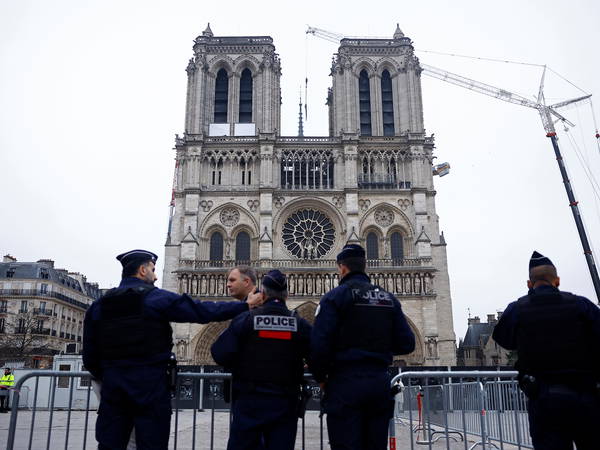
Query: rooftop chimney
[(48, 262), (9, 259), (491, 318), (473, 320)]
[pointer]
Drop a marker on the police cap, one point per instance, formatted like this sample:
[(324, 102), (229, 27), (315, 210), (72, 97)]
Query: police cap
[(274, 279), (537, 259), (136, 257), (351, 251)]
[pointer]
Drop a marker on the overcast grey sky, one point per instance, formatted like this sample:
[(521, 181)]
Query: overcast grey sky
[(92, 93)]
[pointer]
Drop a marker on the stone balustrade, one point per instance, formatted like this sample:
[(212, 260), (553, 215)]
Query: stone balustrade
[(311, 278)]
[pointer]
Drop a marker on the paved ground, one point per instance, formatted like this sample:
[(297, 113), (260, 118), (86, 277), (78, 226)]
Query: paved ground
[(182, 436)]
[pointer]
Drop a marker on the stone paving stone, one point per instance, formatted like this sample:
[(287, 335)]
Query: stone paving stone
[(185, 431)]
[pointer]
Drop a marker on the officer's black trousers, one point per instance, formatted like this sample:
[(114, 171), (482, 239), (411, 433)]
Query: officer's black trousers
[(134, 397), (560, 415), (359, 407), (263, 421)]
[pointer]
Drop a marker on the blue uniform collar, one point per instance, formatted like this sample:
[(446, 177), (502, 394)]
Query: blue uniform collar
[(274, 301), (131, 282), (355, 276), (543, 289)]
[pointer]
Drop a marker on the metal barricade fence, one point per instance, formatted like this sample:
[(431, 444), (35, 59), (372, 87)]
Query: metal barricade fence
[(48, 421), (487, 408)]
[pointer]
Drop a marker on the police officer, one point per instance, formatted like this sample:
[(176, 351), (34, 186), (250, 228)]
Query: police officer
[(7, 381), (357, 330), (264, 349), (127, 341), (557, 337)]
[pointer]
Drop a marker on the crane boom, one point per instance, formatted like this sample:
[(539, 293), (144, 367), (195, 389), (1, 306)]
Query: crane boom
[(546, 113), (477, 86)]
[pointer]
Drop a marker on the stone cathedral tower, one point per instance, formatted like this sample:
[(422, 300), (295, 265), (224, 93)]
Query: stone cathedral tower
[(245, 194)]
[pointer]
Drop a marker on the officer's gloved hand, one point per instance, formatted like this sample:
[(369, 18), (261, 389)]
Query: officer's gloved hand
[(255, 300)]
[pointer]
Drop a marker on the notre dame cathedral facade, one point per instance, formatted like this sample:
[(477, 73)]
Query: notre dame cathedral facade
[(244, 194)]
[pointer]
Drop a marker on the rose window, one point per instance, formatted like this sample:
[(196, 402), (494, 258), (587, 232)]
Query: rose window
[(308, 234)]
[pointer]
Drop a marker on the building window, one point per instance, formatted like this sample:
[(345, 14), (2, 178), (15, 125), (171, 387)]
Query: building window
[(23, 306), (64, 382), (42, 306), (308, 234), (242, 248), (217, 168), (364, 98), (3, 306), (43, 288), (246, 96), (20, 327), (307, 170), (2, 325), (216, 247), (244, 166), (221, 96), (387, 104), (10, 273), (397, 250), (372, 246)]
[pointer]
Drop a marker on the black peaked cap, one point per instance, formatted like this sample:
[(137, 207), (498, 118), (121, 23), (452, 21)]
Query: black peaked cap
[(274, 279), (537, 259), (136, 256), (351, 251)]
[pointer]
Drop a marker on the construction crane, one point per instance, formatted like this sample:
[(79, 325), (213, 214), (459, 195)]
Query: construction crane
[(547, 113)]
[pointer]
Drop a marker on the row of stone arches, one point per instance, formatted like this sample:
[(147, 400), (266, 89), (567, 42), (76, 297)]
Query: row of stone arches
[(231, 233)]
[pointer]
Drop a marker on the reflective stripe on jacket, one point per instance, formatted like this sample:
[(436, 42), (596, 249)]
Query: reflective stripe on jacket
[(7, 380)]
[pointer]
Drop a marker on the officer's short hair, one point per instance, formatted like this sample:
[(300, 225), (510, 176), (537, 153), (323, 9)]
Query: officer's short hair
[(247, 272), (545, 273), (130, 270), (271, 293), (354, 264)]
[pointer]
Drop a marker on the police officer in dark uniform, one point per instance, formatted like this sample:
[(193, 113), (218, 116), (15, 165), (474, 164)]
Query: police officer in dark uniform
[(557, 337), (264, 349), (357, 330), (127, 341)]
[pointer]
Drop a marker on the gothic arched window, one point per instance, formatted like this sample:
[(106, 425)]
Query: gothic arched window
[(364, 97), (387, 104), (221, 96), (242, 248), (372, 246), (246, 96), (397, 250), (216, 247)]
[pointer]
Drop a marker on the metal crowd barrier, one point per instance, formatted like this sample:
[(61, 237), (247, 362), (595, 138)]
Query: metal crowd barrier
[(466, 409), (486, 408), (50, 422)]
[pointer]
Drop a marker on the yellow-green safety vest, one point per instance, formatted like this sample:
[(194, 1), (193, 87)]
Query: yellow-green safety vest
[(7, 380)]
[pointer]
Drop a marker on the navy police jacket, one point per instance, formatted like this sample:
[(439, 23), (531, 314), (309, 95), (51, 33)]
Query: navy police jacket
[(265, 349), (556, 334), (160, 305), (327, 355)]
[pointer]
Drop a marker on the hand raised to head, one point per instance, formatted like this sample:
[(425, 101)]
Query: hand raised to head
[(255, 299)]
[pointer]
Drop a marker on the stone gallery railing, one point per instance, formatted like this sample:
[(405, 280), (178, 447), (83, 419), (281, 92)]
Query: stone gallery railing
[(309, 278)]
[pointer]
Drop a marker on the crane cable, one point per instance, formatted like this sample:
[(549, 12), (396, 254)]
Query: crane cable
[(305, 77), (508, 61), (480, 58), (590, 176)]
